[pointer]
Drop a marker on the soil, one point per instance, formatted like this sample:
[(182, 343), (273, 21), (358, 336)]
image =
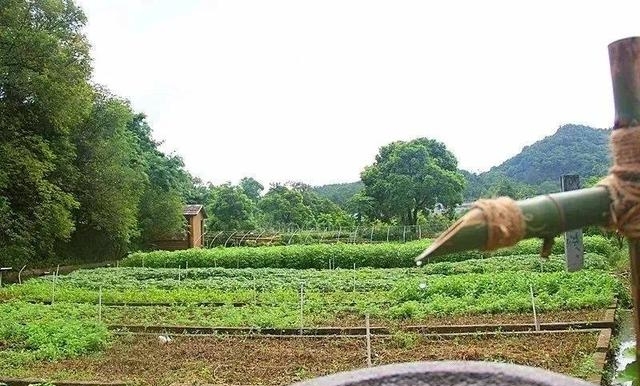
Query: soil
[(276, 361), (506, 318)]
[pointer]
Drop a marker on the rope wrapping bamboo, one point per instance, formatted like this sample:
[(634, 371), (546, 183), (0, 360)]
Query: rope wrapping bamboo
[(623, 182), (505, 222)]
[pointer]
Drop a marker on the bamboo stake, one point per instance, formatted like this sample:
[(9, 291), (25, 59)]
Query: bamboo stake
[(533, 305), (368, 328), (301, 307), (100, 304), (20, 274)]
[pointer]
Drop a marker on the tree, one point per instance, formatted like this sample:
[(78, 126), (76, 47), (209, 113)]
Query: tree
[(230, 209), (108, 186), (165, 186), (411, 177), (44, 93), (283, 206), (251, 188), (361, 206)]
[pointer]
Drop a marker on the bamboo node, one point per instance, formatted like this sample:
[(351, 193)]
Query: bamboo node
[(505, 222), (623, 182)]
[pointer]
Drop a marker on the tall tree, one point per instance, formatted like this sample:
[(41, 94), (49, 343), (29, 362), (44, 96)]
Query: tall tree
[(108, 184), (231, 209), (408, 178), (252, 188), (283, 206), (44, 92), (167, 183)]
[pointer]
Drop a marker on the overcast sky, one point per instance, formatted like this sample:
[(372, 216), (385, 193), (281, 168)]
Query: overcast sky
[(310, 90)]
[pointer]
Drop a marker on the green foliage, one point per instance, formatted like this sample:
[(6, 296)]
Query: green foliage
[(572, 149), (230, 208), (296, 205), (107, 186), (284, 206), (340, 194), (44, 68), (165, 186), (31, 332), (271, 297), (79, 169), (251, 188), (383, 255), (409, 178)]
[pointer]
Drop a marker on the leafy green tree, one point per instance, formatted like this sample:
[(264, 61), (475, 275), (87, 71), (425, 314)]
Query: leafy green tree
[(339, 194), (411, 177), (505, 188), (283, 206), (251, 188), (166, 185), (44, 93), (361, 206), (108, 184), (230, 209), (197, 192)]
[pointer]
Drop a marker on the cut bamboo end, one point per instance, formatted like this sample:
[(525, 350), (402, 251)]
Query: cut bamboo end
[(473, 218)]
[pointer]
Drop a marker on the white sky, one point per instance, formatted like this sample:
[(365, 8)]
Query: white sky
[(309, 90)]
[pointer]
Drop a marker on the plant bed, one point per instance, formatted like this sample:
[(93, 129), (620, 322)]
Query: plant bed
[(242, 360), (362, 331)]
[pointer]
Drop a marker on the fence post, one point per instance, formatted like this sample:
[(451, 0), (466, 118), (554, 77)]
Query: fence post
[(354, 277), (100, 304), (301, 307), (53, 289), (573, 245), (20, 273), (533, 305), (366, 319)]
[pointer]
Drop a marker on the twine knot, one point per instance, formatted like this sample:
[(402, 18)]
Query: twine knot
[(623, 182), (505, 222)]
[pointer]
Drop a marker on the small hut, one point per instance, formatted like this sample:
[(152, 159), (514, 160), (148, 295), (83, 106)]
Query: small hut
[(194, 237), (195, 216)]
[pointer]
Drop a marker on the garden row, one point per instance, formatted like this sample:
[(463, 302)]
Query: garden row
[(321, 256), (262, 279), (393, 296)]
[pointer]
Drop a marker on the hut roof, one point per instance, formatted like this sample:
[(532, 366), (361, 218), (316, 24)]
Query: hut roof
[(194, 209)]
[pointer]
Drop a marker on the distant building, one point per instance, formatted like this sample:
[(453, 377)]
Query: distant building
[(194, 238), (439, 208)]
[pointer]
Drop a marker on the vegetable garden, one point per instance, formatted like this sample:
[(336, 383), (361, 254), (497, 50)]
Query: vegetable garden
[(52, 323)]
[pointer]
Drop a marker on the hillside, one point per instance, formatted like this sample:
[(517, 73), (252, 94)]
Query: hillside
[(339, 193), (573, 149)]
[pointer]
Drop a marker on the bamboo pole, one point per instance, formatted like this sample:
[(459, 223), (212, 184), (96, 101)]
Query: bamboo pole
[(550, 215), (624, 58), (545, 217)]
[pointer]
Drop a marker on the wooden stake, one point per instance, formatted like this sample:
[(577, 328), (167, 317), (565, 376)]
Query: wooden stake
[(533, 305), (20, 273), (100, 304), (301, 307), (368, 328)]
